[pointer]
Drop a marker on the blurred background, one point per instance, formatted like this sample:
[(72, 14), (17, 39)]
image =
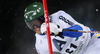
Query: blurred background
[(17, 38)]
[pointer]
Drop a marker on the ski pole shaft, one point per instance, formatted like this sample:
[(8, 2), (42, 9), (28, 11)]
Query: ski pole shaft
[(81, 31)]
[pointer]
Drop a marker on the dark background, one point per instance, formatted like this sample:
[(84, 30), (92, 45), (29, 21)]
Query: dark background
[(17, 38)]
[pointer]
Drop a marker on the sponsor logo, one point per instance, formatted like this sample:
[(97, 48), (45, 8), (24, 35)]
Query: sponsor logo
[(65, 20)]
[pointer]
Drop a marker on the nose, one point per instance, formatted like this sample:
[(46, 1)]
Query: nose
[(35, 27)]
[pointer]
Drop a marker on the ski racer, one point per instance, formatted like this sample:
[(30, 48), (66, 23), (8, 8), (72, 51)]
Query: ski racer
[(64, 42)]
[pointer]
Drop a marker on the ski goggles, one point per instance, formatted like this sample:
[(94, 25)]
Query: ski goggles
[(36, 22)]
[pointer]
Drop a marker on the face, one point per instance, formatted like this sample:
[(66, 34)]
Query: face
[(36, 23), (37, 29)]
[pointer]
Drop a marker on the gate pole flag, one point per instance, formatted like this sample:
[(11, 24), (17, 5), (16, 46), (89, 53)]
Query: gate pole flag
[(47, 26)]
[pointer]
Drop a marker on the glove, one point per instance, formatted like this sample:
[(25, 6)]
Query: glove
[(53, 29)]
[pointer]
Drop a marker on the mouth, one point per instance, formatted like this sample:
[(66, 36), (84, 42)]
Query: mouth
[(37, 29)]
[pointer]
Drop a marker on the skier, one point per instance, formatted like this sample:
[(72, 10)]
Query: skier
[(64, 42)]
